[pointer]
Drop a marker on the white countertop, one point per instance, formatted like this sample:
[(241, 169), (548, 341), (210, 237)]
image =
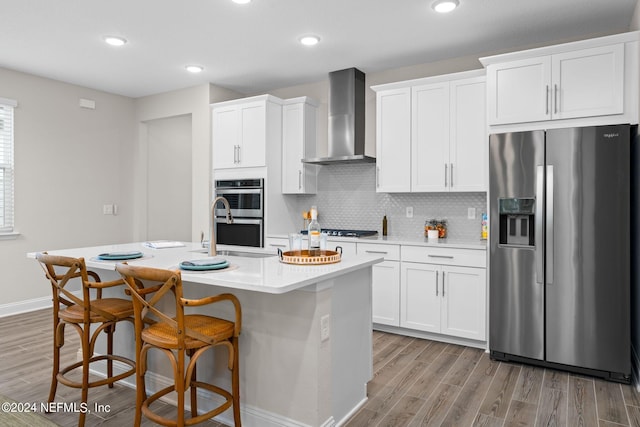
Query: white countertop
[(267, 275), (404, 240)]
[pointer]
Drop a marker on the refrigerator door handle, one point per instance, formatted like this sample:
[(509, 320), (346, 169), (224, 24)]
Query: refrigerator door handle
[(549, 231), (539, 213)]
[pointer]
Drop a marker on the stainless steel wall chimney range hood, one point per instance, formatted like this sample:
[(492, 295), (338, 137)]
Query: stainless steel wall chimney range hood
[(346, 119)]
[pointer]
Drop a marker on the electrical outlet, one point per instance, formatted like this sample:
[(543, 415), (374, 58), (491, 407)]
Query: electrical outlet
[(325, 327), (409, 211), (107, 209), (471, 213)]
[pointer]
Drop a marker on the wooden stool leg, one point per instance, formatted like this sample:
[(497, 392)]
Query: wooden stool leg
[(109, 330), (141, 392), (56, 360), (235, 384), (179, 380), (86, 330), (194, 390)]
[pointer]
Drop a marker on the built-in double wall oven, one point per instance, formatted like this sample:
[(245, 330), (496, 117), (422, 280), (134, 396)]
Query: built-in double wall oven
[(246, 200)]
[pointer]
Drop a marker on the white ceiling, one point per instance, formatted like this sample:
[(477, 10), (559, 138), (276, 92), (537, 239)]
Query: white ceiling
[(254, 48)]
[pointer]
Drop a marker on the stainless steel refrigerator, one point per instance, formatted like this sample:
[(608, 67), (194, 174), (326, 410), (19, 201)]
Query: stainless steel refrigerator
[(560, 249)]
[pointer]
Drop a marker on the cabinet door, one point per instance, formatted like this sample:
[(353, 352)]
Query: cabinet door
[(298, 142), (252, 151), (386, 293), (519, 91), (225, 128), (292, 148), (588, 82), (464, 302), (420, 296), (393, 140), (468, 148), (430, 164)]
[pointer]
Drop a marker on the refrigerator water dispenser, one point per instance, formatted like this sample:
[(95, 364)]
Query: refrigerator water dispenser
[(517, 221)]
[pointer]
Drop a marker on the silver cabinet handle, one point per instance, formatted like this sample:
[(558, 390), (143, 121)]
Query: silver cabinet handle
[(538, 225), (440, 256), (377, 176), (436, 282), (239, 161), (547, 100), (451, 173), (299, 179), (445, 174), (549, 236), (376, 252), (443, 284), (277, 245), (555, 99)]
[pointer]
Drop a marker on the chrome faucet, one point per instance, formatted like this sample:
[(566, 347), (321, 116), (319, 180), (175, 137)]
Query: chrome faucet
[(212, 240)]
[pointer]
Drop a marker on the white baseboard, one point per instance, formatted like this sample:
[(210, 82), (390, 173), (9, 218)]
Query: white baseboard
[(25, 306), (251, 416), (352, 412), (430, 336)]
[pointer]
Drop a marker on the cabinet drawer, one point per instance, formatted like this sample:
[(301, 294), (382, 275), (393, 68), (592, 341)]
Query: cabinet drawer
[(390, 252), (348, 248), (463, 257)]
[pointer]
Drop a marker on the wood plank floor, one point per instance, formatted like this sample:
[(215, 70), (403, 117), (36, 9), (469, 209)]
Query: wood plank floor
[(427, 383), (416, 383)]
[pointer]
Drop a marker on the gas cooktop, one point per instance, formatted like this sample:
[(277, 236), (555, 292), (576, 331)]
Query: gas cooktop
[(346, 233)]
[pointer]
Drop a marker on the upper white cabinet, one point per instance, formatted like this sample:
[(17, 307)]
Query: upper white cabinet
[(393, 140), (432, 134), (242, 129), (299, 142), (577, 80)]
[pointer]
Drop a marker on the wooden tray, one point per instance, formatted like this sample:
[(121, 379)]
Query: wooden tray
[(303, 258)]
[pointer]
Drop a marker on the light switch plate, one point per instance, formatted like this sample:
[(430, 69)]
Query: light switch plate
[(409, 211), (471, 213)]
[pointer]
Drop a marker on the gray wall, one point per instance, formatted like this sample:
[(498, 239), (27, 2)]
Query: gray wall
[(69, 161)]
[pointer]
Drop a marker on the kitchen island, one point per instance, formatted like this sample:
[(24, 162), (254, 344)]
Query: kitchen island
[(305, 346)]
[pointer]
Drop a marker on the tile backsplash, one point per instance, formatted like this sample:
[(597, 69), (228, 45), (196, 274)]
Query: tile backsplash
[(347, 199)]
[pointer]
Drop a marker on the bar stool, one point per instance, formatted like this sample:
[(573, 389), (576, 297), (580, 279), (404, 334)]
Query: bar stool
[(81, 313), (178, 337)]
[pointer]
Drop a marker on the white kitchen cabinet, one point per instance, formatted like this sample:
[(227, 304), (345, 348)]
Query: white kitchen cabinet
[(242, 131), (572, 84), (299, 142), (443, 118), (468, 140), (442, 296), (393, 140), (385, 283), (449, 136), (272, 244), (430, 137)]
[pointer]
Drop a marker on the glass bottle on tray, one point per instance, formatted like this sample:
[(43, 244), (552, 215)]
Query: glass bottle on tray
[(314, 231)]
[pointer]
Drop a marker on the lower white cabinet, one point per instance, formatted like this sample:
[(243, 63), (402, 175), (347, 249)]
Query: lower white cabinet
[(385, 285), (441, 297)]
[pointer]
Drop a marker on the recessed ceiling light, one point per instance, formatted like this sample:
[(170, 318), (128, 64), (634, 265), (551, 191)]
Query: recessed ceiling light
[(115, 40), (309, 40), (445, 6), (194, 68), (242, 1)]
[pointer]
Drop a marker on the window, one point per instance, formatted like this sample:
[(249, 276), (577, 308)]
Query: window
[(6, 164)]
